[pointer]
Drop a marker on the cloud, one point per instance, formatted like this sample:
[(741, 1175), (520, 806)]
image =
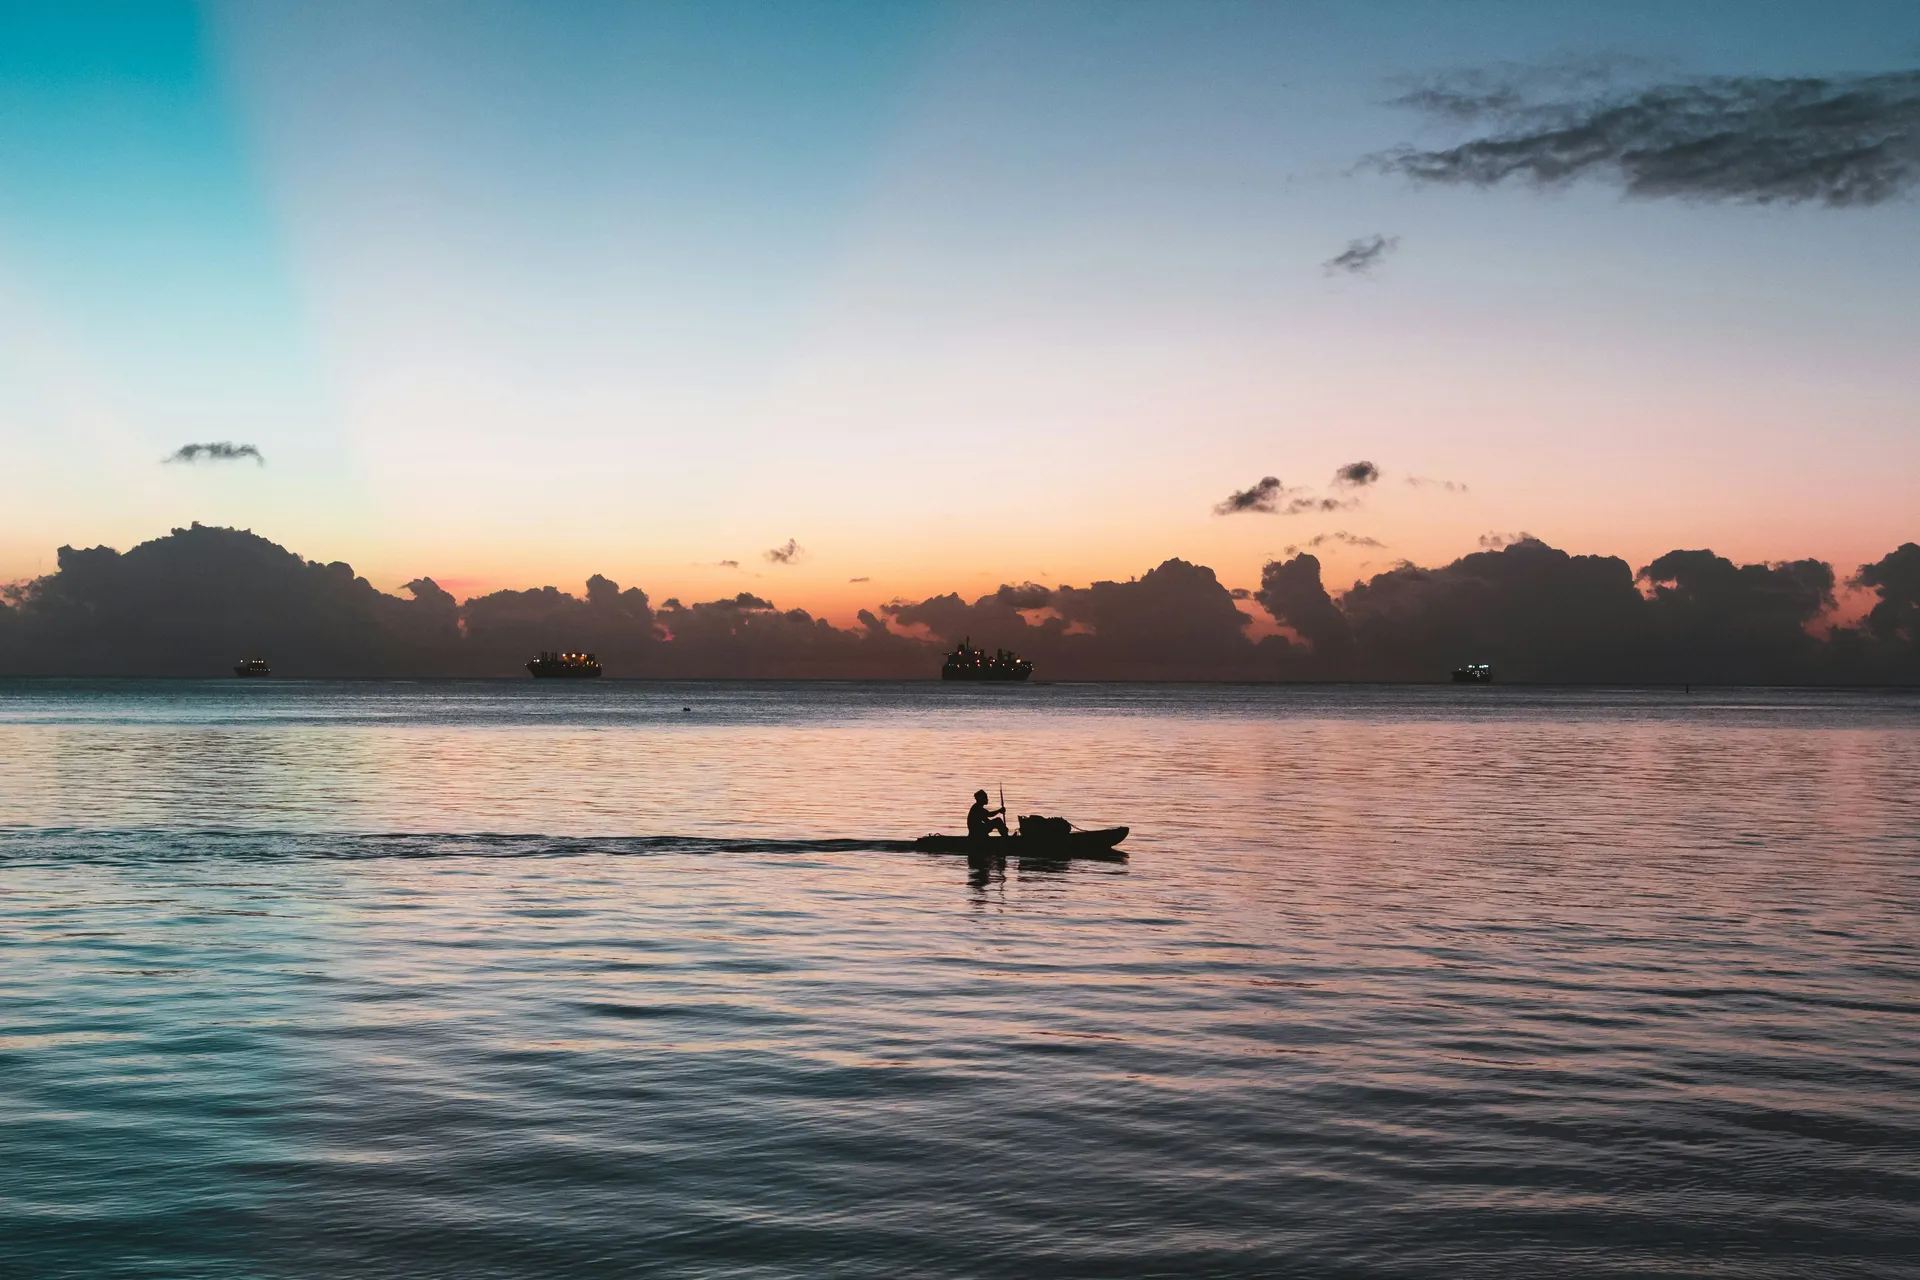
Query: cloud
[(1539, 614), (1360, 257), (1469, 94), (1175, 621), (1746, 620), (1496, 541), (1291, 591), (748, 636), (1428, 482), (1028, 595), (726, 564), (789, 554), (200, 599), (1301, 506), (1896, 576), (744, 600), (216, 451), (1262, 497), (1339, 537), (1839, 141), (859, 579), (1270, 497)]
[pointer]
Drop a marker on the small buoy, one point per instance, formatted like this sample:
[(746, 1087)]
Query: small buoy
[(686, 708)]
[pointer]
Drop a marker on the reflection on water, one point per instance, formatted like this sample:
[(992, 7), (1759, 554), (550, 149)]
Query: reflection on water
[(469, 980)]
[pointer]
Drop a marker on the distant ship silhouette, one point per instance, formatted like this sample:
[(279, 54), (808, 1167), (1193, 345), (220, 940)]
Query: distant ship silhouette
[(969, 663), (565, 666), (252, 667)]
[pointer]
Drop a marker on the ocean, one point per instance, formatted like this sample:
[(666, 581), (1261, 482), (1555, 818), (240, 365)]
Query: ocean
[(621, 978)]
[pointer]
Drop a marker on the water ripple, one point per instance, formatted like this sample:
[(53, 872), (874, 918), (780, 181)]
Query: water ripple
[(1384, 990)]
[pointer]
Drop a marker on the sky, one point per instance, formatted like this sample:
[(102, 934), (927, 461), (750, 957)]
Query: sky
[(925, 296)]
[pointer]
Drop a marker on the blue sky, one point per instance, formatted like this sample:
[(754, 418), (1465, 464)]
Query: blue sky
[(952, 294)]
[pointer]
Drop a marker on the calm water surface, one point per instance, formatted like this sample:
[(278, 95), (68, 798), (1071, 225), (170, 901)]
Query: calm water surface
[(495, 979)]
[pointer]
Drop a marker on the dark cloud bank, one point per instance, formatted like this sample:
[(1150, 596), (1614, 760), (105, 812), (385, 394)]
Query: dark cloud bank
[(196, 601)]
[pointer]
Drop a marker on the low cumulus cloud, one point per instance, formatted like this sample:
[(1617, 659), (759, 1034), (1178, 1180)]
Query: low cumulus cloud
[(1428, 482), (1539, 614), (1839, 141), (1361, 256), (1895, 620), (215, 451), (789, 554), (1357, 475), (197, 600)]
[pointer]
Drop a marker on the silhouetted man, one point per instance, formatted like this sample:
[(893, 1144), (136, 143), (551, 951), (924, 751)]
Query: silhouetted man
[(982, 820)]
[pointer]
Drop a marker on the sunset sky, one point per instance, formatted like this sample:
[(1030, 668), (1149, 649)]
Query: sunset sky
[(946, 294)]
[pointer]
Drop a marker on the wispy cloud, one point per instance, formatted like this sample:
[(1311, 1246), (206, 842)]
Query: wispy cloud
[(726, 564), (1339, 537), (1303, 506), (789, 554), (1498, 541), (1361, 256), (1840, 141), (1428, 482), (745, 601), (859, 579), (216, 451)]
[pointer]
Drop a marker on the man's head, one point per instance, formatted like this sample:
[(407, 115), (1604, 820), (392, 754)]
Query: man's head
[(981, 796)]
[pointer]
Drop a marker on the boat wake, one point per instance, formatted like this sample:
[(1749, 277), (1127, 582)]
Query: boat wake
[(68, 845)]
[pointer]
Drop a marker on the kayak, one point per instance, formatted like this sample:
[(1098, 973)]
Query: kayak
[(1075, 844)]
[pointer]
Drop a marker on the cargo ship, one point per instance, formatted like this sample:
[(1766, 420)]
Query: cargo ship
[(969, 663), (565, 666), (1473, 673), (252, 667)]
